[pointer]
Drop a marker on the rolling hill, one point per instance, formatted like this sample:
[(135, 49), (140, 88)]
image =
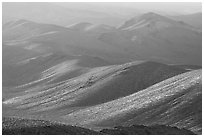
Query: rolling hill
[(170, 102), (45, 37), (139, 38), (143, 77), (79, 101), (90, 84)]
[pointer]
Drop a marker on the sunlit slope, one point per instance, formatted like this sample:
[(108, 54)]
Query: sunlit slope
[(175, 101), (95, 86)]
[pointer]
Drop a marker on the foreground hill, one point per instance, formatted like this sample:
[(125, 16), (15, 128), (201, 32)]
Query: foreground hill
[(65, 87), (175, 101), (19, 126), (114, 95)]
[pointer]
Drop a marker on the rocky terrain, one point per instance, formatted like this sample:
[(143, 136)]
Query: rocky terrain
[(18, 126)]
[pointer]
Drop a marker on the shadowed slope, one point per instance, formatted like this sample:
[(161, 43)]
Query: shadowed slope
[(132, 79)]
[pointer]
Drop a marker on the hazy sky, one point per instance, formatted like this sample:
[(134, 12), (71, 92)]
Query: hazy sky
[(172, 7), (111, 13)]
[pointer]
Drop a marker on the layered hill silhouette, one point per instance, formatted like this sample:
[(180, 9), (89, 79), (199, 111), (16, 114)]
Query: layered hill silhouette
[(139, 38), (143, 77), (151, 32)]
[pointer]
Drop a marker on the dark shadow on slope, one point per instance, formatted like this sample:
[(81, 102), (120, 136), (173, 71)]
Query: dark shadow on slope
[(133, 79)]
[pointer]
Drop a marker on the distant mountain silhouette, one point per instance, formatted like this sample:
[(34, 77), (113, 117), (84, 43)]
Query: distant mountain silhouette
[(139, 38), (145, 35)]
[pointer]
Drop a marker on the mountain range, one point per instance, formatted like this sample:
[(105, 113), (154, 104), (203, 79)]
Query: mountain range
[(146, 71)]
